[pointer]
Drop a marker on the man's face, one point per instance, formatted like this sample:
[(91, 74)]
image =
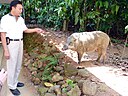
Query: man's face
[(17, 10)]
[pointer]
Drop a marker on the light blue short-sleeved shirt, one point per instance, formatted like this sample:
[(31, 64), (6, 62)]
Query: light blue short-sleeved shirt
[(14, 29)]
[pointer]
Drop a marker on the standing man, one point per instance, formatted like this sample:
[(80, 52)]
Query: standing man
[(12, 28)]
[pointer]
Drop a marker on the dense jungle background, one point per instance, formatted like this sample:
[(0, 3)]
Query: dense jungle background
[(110, 16)]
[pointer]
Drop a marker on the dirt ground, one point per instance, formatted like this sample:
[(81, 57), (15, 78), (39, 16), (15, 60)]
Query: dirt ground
[(117, 55)]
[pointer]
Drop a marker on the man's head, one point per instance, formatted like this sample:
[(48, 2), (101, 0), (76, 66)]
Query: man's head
[(16, 7)]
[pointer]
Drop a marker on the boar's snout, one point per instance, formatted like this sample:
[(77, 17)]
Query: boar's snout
[(65, 47)]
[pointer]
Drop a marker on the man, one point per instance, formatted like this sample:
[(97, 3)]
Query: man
[(12, 28)]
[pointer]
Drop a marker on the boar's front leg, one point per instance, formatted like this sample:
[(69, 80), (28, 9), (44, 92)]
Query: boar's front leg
[(79, 57), (99, 54)]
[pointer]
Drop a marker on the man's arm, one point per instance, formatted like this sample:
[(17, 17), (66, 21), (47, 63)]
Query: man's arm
[(38, 30), (5, 48)]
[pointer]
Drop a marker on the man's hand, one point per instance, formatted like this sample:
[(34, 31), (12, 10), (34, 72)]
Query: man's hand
[(39, 30), (6, 54)]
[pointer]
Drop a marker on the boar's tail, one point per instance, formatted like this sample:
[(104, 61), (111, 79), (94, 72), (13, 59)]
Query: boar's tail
[(110, 44)]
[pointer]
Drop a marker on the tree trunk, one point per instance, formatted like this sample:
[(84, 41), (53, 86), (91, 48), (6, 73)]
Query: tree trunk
[(65, 26)]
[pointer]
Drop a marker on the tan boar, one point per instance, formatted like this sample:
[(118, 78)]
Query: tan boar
[(88, 41)]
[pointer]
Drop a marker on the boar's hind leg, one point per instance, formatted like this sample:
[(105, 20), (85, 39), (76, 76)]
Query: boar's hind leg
[(104, 55), (99, 54), (79, 57)]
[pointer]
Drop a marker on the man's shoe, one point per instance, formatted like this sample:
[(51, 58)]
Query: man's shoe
[(19, 84), (15, 91)]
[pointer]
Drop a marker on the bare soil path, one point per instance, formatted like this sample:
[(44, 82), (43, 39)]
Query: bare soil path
[(28, 90)]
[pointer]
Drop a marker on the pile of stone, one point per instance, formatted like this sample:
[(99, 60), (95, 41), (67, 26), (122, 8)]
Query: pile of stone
[(67, 80)]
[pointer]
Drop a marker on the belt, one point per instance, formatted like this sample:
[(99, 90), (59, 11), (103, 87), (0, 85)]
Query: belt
[(16, 39)]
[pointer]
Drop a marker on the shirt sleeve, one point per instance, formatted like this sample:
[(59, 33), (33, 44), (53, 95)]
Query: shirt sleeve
[(24, 26), (0, 28), (3, 27)]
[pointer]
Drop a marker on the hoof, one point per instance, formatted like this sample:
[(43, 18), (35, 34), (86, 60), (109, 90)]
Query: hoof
[(97, 63), (80, 67)]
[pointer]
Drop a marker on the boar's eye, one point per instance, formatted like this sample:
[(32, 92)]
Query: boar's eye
[(71, 43)]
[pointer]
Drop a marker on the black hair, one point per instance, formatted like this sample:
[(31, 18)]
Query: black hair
[(14, 3)]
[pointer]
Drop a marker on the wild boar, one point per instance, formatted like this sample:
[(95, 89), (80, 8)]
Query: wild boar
[(87, 42)]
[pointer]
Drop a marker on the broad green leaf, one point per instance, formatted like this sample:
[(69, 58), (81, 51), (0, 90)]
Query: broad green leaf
[(101, 4), (106, 4), (97, 3), (76, 18), (117, 8)]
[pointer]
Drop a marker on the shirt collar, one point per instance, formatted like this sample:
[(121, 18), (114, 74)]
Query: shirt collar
[(12, 15)]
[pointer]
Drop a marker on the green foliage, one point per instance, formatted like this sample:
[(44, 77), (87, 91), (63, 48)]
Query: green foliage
[(126, 45), (4, 9), (64, 90), (119, 41), (115, 40), (53, 61), (70, 83)]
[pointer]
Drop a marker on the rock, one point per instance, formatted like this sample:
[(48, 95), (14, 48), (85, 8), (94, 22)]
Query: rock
[(47, 84), (59, 68), (29, 67), (33, 69), (64, 85), (35, 64), (70, 70), (64, 94), (102, 87), (27, 63), (34, 73), (57, 90), (39, 64), (33, 55), (68, 88), (89, 88), (42, 56), (36, 81), (74, 91), (84, 73), (62, 72), (57, 77), (80, 83), (60, 82), (42, 90), (26, 55), (78, 78), (49, 94)]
